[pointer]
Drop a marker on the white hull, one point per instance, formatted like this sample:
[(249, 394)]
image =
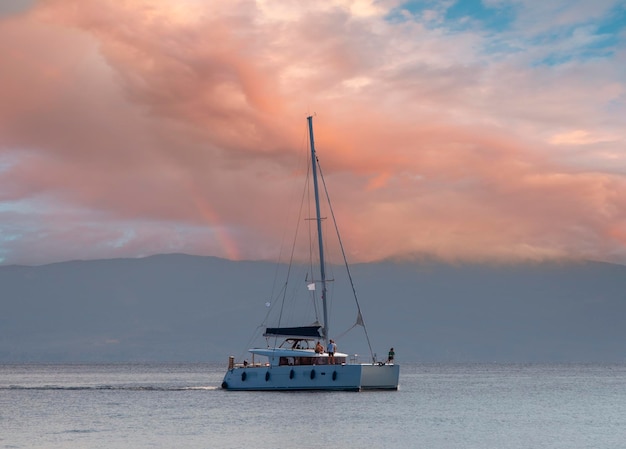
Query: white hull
[(380, 377), (344, 377)]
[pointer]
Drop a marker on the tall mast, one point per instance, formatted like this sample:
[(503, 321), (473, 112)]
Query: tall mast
[(319, 230)]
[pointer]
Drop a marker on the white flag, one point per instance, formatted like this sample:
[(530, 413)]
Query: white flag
[(311, 286)]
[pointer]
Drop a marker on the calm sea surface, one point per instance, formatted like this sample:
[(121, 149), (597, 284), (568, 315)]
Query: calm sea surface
[(438, 406)]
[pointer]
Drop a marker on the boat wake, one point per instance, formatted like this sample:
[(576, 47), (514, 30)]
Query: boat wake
[(110, 388)]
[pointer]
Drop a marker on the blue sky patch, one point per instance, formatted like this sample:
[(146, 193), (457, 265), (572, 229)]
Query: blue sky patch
[(461, 15), (475, 12)]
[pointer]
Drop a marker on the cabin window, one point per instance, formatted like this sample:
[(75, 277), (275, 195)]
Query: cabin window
[(309, 361)]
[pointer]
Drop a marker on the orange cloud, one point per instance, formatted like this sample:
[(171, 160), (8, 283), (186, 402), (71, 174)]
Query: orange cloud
[(164, 124)]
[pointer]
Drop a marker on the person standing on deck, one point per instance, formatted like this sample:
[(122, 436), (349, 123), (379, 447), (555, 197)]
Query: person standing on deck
[(391, 356), (331, 349)]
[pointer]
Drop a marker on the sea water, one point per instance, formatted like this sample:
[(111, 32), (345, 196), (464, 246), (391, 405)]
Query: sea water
[(437, 406)]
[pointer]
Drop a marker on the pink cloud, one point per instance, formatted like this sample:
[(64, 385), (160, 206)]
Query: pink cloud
[(168, 122)]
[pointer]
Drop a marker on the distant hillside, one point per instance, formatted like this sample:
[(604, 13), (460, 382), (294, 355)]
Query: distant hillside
[(188, 308)]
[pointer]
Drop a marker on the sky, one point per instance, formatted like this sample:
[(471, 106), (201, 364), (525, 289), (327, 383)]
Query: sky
[(466, 131)]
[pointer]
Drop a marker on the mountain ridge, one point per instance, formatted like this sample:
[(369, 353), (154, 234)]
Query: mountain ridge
[(179, 307)]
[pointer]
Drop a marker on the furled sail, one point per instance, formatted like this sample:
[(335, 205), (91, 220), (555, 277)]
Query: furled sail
[(314, 331)]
